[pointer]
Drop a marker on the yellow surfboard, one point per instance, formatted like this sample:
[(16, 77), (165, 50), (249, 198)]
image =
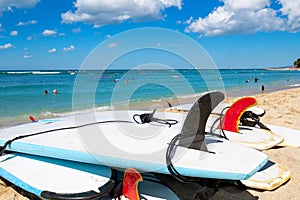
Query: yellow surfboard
[(270, 177)]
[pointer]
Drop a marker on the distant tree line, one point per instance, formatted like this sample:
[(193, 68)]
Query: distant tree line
[(297, 63)]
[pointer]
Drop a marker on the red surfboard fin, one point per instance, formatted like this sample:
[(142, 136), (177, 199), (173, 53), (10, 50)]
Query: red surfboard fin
[(130, 184), (230, 121)]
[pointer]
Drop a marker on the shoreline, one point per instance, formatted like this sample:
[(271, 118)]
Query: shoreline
[(283, 109), (147, 105)]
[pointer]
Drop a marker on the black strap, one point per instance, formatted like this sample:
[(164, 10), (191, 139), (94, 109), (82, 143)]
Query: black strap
[(149, 117), (255, 120)]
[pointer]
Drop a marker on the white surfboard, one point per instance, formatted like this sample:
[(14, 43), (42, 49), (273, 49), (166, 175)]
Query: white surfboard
[(94, 138), (291, 136), (68, 144), (49, 178), (270, 177), (253, 137)]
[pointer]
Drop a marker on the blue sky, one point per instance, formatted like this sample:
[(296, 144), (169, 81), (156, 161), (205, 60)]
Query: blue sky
[(55, 34)]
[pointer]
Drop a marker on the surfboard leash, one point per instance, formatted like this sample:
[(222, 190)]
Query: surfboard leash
[(149, 117), (221, 123), (171, 168), (208, 186)]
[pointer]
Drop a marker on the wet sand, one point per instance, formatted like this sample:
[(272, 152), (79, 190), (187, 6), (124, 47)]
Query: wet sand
[(283, 108)]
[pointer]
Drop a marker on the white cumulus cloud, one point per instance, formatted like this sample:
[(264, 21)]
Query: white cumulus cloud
[(14, 33), (247, 17), (238, 17), (102, 12), (9, 5), (291, 9), (6, 46), (246, 4), (26, 23), (26, 56), (70, 48), (49, 32), (53, 50)]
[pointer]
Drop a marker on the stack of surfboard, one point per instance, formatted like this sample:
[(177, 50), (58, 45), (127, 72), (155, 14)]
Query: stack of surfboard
[(75, 157)]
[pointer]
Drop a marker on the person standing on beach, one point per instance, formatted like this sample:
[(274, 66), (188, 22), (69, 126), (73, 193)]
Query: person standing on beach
[(262, 88)]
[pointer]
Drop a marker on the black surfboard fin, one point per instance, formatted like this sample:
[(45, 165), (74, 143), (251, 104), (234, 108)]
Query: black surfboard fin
[(193, 130)]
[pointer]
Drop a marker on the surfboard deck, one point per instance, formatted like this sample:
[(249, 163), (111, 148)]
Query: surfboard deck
[(253, 137), (128, 144), (41, 176), (269, 177), (291, 136)]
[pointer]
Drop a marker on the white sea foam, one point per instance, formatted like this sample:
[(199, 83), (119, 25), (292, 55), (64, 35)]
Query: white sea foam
[(32, 72), (47, 114), (295, 85), (18, 72), (156, 100), (42, 73), (104, 108)]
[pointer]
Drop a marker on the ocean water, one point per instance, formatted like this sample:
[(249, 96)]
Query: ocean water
[(22, 93)]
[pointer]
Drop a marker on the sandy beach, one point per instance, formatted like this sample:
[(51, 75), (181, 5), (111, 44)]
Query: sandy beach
[(283, 108)]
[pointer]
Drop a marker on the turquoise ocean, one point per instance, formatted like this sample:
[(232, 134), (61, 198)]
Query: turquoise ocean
[(22, 93)]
